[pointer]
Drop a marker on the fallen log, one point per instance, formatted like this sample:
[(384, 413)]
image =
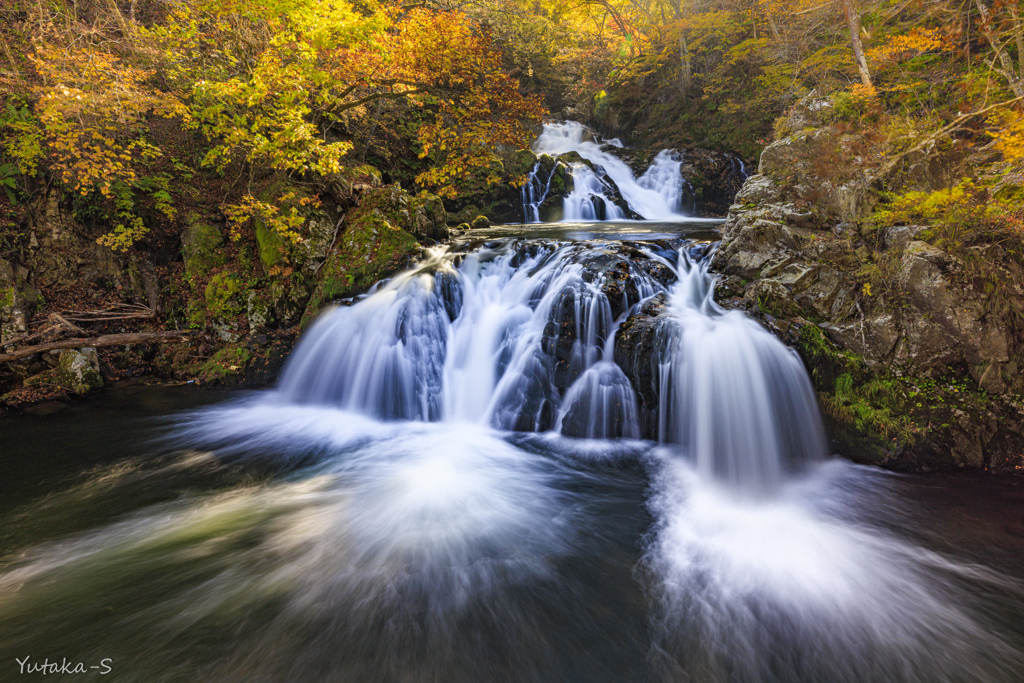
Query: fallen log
[(103, 340)]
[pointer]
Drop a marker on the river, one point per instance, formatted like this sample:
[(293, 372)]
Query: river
[(449, 483)]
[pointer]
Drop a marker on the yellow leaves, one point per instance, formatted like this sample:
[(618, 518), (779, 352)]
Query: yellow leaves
[(285, 223), (92, 112), (903, 47), (1009, 134)]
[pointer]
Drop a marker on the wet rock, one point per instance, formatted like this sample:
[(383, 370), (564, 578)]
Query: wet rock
[(480, 223), (640, 345)]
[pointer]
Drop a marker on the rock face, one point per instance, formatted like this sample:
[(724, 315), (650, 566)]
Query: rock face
[(17, 301), (889, 309), (378, 239), (639, 345)]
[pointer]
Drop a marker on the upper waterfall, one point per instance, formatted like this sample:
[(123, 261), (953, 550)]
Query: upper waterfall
[(656, 195)]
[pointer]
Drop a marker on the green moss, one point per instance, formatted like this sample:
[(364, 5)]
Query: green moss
[(7, 297), (272, 247), (227, 362), (200, 247), (222, 295), (371, 248)]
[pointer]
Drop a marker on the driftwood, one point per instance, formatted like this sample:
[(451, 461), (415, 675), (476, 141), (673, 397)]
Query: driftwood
[(115, 312), (103, 340)]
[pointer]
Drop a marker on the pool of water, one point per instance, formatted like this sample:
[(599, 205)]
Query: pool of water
[(179, 534)]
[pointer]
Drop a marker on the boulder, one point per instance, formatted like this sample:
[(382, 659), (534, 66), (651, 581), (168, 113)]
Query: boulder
[(77, 371), (200, 248)]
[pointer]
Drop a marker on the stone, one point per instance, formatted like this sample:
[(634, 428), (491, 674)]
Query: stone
[(258, 312), (76, 371), (480, 222), (200, 248), (272, 247)]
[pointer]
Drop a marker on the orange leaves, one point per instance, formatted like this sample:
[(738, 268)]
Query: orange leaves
[(903, 47), (92, 109)]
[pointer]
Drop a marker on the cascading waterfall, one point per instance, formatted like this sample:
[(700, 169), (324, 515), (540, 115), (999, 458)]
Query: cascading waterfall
[(449, 484), (655, 195), (478, 337), (735, 397)]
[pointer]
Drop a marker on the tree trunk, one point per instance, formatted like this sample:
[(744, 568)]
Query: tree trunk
[(853, 21), (94, 342), (686, 77), (1019, 30)]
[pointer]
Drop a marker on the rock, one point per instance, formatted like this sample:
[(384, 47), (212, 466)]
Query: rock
[(224, 304), (372, 246), (640, 344), (77, 371), (428, 220), (200, 244), (811, 111), (18, 301), (464, 226), (272, 247), (480, 222), (258, 312)]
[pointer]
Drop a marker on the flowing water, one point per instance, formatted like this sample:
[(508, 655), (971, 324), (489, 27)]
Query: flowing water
[(449, 484), (661, 193), (655, 196)]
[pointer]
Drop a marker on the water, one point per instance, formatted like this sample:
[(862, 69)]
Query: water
[(655, 196), (447, 485), (737, 399)]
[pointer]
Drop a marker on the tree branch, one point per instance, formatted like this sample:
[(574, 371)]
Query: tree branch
[(94, 342)]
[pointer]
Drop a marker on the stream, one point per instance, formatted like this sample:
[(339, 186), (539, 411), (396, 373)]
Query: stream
[(455, 480)]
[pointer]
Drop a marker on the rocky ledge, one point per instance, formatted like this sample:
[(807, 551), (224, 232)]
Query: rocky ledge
[(913, 344)]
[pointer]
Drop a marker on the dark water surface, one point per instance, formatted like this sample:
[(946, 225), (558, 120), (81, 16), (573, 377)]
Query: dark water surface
[(323, 546)]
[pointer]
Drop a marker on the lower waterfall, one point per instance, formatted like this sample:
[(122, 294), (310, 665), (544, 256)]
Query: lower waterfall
[(453, 482)]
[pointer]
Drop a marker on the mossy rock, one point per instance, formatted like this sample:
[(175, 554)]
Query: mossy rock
[(223, 298), (371, 248), (464, 226), (200, 248), (273, 248), (480, 222), (77, 371), (520, 162), (225, 366)]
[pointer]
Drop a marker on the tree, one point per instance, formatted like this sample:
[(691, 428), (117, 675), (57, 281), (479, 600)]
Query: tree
[(853, 23)]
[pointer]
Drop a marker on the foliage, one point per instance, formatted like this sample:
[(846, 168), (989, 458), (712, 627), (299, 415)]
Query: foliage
[(960, 215), (287, 224)]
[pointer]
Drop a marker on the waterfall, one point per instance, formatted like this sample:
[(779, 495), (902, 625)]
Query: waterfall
[(515, 335), (736, 397), (587, 201), (656, 195), (520, 335), (448, 484)]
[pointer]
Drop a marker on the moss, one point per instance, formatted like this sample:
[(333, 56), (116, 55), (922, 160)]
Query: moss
[(520, 162), (224, 364), (222, 296), (371, 248), (7, 297), (75, 372), (200, 247), (272, 247)]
